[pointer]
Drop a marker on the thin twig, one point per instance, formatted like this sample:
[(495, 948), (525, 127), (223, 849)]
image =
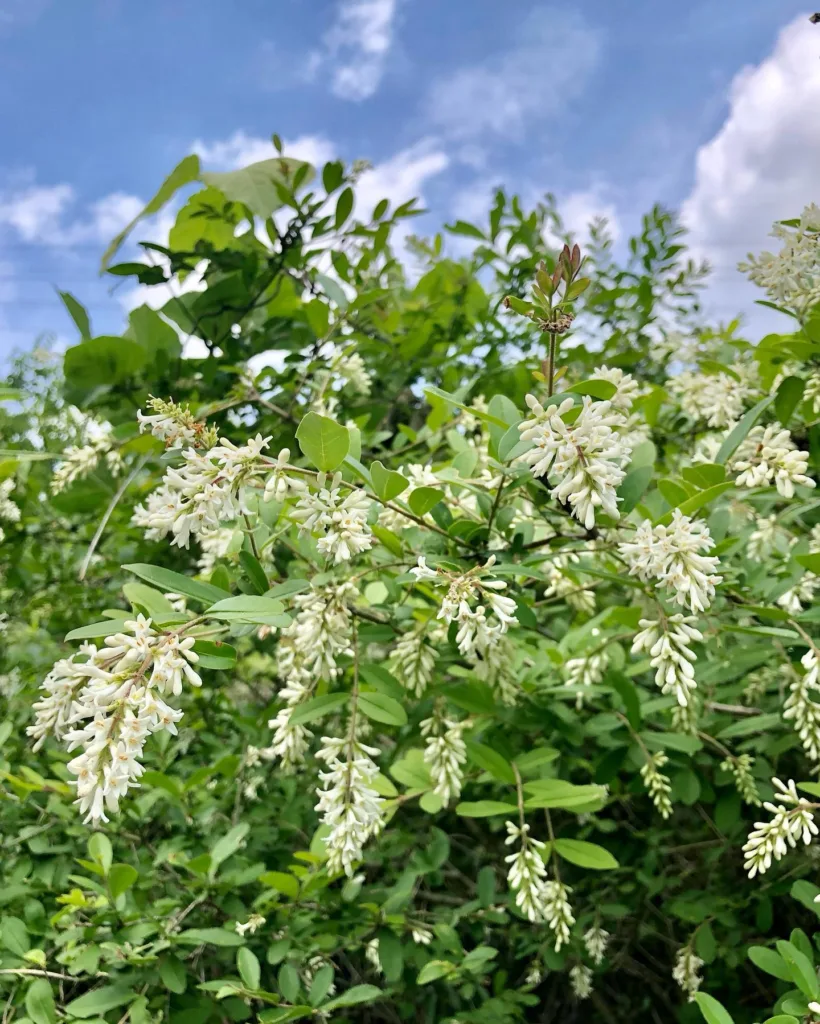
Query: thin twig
[(95, 540)]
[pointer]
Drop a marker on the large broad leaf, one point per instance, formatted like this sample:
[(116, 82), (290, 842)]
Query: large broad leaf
[(175, 583), (153, 333), (697, 501), (102, 361), (186, 171), (209, 936), (600, 389), (770, 962), (40, 1002), (354, 996), (382, 708), (387, 483), (256, 185), (204, 218), (323, 441)]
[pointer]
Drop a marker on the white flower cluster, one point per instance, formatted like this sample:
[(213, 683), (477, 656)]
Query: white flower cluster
[(342, 522), (769, 456), (586, 670), (800, 709), (767, 538), (770, 840), (112, 701), (657, 784), (214, 544), (801, 594), (77, 461), (716, 399), (580, 980), (673, 555), (351, 808), (527, 874), (812, 392), (280, 484), (685, 971), (791, 276), (175, 425), (307, 653), (495, 665), (349, 368), (445, 753), (667, 643), (740, 768), (558, 912), (579, 598), (413, 660), (626, 387), (596, 940), (585, 457), (476, 630), (9, 510), (199, 496)]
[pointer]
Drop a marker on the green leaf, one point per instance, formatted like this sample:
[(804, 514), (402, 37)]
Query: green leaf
[(172, 974), (250, 971), (175, 583), (802, 970), (782, 1018), (788, 397), (14, 935), (99, 1001), (255, 186), (344, 207), (741, 429), (461, 227), (485, 809), (121, 877), (810, 561), (422, 499), (250, 608), (382, 708), (215, 654), (770, 962), (24, 455), (102, 361), (320, 986), (633, 487), (227, 846), (433, 970), (713, 1011), (752, 724), (101, 851), (391, 955), (323, 441), (478, 413), (672, 741), (186, 171), (585, 855), (491, 761), (354, 996), (600, 389), (533, 760), (283, 1014), (281, 882), (697, 501), (40, 1002), (151, 601), (412, 770), (78, 314), (318, 707), (558, 793), (153, 333), (97, 629), (386, 482), (209, 937)]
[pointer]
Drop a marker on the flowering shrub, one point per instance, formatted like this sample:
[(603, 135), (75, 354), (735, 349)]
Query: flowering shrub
[(425, 648)]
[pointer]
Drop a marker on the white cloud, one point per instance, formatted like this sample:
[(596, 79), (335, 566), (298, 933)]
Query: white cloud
[(241, 149), (356, 47), (579, 209), (39, 214), (761, 166), (547, 65)]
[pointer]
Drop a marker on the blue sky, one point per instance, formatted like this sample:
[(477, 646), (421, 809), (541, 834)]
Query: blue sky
[(610, 104)]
